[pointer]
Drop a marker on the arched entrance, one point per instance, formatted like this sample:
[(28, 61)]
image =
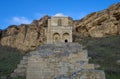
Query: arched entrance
[(66, 37), (56, 37)]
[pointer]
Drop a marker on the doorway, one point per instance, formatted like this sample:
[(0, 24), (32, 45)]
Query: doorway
[(66, 41)]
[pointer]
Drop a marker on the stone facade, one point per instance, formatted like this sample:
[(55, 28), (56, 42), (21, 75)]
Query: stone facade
[(59, 30)]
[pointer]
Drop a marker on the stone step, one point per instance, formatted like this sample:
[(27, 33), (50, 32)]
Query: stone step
[(58, 50), (60, 45)]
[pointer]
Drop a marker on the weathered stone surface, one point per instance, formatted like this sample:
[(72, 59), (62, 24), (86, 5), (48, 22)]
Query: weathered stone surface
[(85, 74), (63, 62), (100, 24), (25, 37)]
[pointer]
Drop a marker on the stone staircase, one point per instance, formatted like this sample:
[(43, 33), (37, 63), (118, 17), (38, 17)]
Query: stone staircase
[(60, 49), (56, 61)]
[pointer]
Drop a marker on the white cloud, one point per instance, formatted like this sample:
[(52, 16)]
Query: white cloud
[(19, 20), (59, 14)]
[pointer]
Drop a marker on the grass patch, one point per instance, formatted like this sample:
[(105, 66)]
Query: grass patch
[(105, 52), (9, 58), (110, 75), (19, 78)]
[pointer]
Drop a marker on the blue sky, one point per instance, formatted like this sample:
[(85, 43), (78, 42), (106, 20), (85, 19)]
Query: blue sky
[(15, 12)]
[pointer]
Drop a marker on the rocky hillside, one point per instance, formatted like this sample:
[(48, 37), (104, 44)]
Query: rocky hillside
[(98, 24), (25, 37)]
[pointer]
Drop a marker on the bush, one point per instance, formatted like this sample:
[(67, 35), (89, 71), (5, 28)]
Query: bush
[(105, 52), (9, 58), (19, 78)]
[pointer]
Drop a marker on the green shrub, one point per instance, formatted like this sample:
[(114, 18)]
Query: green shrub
[(105, 52), (9, 58), (19, 78)]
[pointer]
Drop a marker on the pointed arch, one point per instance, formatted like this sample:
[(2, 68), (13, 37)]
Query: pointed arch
[(56, 37), (66, 37)]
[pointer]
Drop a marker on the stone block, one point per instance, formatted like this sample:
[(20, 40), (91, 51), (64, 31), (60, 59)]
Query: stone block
[(88, 66)]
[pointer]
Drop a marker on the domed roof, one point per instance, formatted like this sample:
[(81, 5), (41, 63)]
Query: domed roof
[(59, 15)]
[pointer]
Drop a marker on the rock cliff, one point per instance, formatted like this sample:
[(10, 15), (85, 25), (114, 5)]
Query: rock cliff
[(100, 24), (25, 37), (97, 24)]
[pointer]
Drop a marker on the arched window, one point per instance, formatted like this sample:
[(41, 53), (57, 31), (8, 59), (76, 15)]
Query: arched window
[(59, 22), (56, 37)]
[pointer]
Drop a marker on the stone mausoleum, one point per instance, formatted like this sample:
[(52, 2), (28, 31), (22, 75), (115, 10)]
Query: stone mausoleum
[(59, 30), (59, 58)]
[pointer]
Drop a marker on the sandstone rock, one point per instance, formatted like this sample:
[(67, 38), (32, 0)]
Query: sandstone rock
[(101, 24), (25, 37)]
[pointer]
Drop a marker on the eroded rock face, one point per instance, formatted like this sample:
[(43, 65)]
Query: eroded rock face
[(100, 24), (25, 37)]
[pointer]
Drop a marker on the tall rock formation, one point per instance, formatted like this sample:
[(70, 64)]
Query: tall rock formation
[(25, 37), (100, 24)]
